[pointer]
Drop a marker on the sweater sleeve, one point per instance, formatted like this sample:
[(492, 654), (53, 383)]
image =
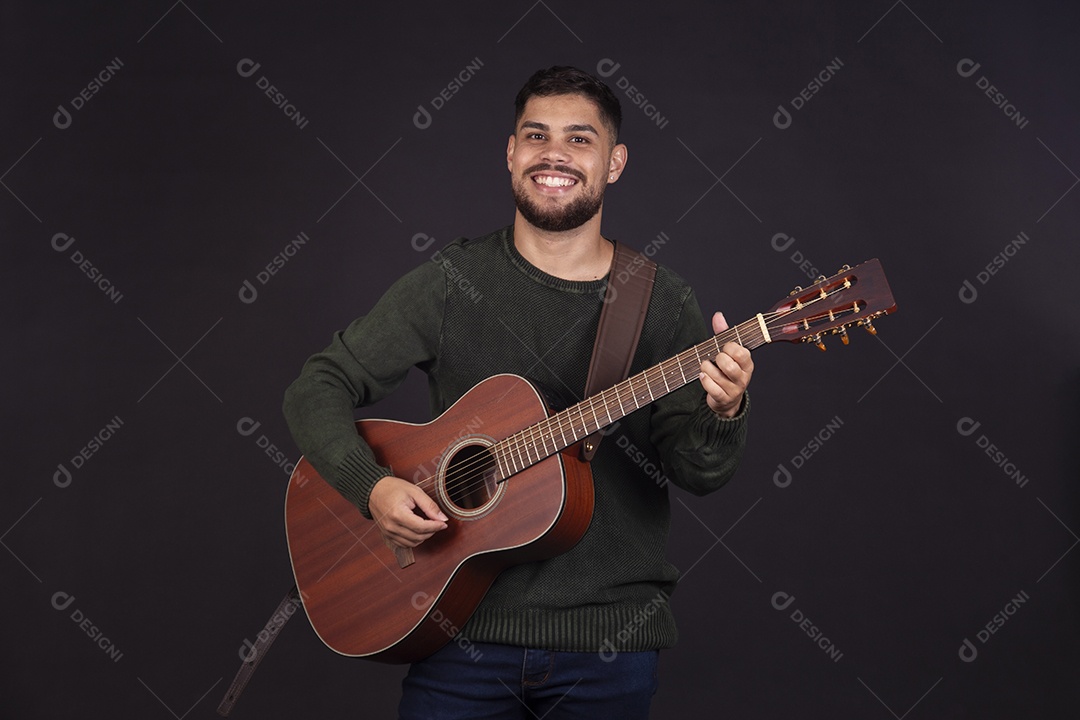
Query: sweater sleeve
[(363, 364), (700, 450)]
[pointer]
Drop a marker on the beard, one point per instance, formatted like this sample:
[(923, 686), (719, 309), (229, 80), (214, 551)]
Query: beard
[(558, 219)]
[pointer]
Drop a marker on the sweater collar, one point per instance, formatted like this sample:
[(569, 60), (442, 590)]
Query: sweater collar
[(537, 275)]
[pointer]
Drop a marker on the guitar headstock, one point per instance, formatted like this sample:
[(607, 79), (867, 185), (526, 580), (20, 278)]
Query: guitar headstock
[(853, 296)]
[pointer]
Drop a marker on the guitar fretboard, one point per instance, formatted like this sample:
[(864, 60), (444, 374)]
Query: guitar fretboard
[(558, 432)]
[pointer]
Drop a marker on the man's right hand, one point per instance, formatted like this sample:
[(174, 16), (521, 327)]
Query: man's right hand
[(406, 515)]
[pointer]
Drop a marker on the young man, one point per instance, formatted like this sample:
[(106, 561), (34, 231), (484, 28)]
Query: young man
[(577, 635)]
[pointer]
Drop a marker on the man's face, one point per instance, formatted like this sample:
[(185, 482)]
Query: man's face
[(561, 159)]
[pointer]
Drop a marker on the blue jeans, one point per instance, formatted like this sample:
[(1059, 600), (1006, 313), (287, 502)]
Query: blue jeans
[(482, 680)]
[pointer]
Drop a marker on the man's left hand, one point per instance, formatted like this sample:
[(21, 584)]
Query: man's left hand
[(726, 376)]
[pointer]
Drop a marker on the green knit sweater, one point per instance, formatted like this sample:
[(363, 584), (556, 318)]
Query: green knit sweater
[(478, 309)]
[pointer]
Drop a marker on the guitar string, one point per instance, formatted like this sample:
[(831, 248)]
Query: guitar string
[(525, 442)]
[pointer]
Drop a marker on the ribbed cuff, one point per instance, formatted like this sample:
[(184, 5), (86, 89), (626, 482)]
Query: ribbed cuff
[(717, 431), (356, 476)]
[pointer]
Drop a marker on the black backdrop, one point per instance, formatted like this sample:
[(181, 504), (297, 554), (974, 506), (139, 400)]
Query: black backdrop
[(899, 541)]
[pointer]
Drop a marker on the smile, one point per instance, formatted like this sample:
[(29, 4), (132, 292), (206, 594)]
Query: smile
[(553, 181)]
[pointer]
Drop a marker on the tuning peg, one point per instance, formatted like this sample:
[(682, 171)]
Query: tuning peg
[(843, 336), (870, 327), (819, 342), (798, 289)]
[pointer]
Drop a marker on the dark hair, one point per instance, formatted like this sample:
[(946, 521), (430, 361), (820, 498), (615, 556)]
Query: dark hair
[(565, 80)]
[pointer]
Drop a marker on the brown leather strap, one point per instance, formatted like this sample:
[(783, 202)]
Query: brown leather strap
[(621, 319), (252, 653)]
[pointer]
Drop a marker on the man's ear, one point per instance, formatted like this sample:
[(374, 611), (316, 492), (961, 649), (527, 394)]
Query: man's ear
[(619, 156), (510, 153)]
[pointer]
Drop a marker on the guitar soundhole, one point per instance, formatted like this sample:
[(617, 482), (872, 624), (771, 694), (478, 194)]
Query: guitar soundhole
[(468, 481)]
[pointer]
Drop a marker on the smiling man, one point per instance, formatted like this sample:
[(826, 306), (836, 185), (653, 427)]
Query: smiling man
[(577, 635)]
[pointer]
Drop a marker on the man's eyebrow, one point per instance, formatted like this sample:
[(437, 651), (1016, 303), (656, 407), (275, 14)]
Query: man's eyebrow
[(581, 128), (585, 127)]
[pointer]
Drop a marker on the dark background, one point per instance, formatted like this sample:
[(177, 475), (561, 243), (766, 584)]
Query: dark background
[(899, 536)]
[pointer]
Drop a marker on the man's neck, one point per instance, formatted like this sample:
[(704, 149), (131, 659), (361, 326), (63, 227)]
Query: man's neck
[(580, 254)]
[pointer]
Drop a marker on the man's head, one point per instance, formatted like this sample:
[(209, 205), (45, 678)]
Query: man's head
[(566, 80), (564, 150)]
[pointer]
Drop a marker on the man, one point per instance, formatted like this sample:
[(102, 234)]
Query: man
[(577, 635)]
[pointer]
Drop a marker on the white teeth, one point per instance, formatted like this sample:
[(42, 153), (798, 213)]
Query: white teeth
[(553, 181)]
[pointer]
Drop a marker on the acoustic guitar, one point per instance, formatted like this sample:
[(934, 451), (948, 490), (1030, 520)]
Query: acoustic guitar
[(516, 492)]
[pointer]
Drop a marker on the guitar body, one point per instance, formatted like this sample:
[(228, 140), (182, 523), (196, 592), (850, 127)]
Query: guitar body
[(359, 599), (506, 473)]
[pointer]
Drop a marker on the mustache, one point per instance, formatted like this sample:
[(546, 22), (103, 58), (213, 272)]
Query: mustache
[(556, 168)]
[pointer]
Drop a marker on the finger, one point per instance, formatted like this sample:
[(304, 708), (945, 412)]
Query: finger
[(719, 398), (720, 387), (740, 355), (724, 369), (719, 323), (407, 525), (410, 529), (426, 505), (405, 537)]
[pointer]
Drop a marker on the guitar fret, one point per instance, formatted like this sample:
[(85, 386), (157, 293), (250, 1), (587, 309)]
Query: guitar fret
[(538, 442), (648, 391), (546, 435), (517, 449), (500, 464)]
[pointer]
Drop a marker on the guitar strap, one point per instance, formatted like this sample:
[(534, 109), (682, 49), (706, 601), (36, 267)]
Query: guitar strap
[(252, 653), (626, 301)]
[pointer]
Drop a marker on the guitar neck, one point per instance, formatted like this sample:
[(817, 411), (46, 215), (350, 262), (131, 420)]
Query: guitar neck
[(575, 423)]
